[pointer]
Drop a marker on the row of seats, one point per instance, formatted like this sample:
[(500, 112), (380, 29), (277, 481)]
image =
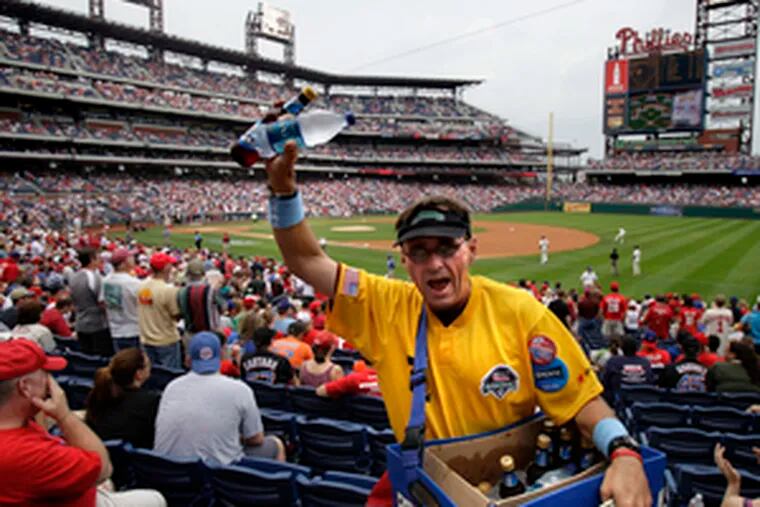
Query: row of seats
[(630, 394), (252, 482), (641, 416), (682, 482)]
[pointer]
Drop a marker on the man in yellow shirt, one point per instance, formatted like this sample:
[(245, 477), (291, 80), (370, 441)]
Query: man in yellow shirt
[(157, 313), (494, 353)]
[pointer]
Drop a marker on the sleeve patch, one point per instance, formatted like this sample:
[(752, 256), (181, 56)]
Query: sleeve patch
[(350, 285)]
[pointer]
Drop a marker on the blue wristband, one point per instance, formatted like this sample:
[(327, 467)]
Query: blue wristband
[(606, 431), (284, 213)]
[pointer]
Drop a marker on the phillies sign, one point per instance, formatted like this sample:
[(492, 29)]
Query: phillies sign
[(657, 40)]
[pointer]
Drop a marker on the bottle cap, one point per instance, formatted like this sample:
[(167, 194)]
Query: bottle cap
[(244, 157), (543, 441), (350, 118), (309, 93), (586, 443), (485, 487), (507, 463), (564, 434), (549, 425)]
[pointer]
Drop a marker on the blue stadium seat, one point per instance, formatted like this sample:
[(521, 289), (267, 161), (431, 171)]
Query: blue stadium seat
[(318, 492), (270, 395), (347, 363), (83, 365), (378, 441), (64, 344), (690, 398), (122, 475), (304, 401), (663, 415), (235, 486), (182, 481), (741, 401), (709, 481), (739, 450), (723, 419), (683, 445), (361, 481), (77, 389), (368, 410), (272, 466), (283, 425), (630, 394), (327, 444), (160, 376)]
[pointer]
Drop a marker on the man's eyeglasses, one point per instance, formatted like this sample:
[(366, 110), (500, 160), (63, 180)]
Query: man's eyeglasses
[(420, 255)]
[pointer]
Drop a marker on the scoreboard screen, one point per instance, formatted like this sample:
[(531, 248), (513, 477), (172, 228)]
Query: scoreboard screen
[(657, 93)]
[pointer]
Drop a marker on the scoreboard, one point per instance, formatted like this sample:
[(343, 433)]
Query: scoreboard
[(657, 93)]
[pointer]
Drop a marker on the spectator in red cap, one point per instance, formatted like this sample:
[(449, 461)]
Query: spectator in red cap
[(37, 468), (658, 317), (613, 310), (91, 323), (689, 316), (658, 358), (320, 370), (157, 313), (318, 317), (53, 317)]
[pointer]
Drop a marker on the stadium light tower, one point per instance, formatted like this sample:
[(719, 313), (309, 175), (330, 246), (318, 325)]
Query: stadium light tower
[(727, 29), (273, 24), (155, 8)]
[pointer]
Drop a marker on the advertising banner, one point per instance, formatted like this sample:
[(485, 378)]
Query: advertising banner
[(614, 113), (731, 49), (667, 211), (734, 69), (616, 77), (576, 207), (743, 90), (731, 111), (276, 22)]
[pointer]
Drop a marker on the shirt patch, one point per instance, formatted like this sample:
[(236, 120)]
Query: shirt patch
[(145, 296), (543, 350), (500, 380), (350, 283), (551, 377)]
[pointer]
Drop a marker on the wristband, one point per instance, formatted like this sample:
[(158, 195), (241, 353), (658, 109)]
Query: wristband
[(624, 451), (286, 211), (605, 432)]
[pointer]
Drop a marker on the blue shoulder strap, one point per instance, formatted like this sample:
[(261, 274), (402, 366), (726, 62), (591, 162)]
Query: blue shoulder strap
[(411, 447)]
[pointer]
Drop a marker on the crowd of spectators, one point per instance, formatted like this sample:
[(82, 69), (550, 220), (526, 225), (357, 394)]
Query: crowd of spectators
[(686, 161)]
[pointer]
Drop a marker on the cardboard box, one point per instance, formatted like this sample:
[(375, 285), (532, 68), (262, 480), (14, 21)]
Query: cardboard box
[(453, 468)]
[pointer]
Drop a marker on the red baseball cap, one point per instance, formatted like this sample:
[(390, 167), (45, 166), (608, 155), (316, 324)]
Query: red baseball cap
[(324, 340), (159, 260), (614, 286), (20, 356), (249, 302), (120, 255), (315, 305)]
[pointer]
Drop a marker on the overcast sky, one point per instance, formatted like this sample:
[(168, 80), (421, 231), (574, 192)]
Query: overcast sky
[(551, 62)]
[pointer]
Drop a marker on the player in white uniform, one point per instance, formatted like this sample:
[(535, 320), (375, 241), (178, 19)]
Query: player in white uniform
[(543, 246), (636, 260), (588, 277), (620, 238)]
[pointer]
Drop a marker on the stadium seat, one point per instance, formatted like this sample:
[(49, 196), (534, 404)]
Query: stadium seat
[(723, 419), (690, 398), (64, 344), (281, 424), (641, 416), (361, 481), (160, 376), (236, 486), (378, 441), (122, 471), (83, 365), (368, 410), (270, 395), (347, 363), (741, 401), (182, 481), (739, 450), (304, 400), (328, 444), (630, 394), (710, 482), (683, 445), (319, 492), (272, 466), (77, 389)]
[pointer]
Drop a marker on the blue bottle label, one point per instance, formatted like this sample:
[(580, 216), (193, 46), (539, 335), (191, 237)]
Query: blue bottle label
[(565, 452), (587, 459), (510, 479), (294, 107), (283, 131), (542, 458)]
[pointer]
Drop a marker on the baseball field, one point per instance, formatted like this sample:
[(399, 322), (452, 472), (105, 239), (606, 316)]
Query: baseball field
[(704, 255)]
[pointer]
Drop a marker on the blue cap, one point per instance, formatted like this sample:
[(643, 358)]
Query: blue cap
[(350, 118), (205, 353)]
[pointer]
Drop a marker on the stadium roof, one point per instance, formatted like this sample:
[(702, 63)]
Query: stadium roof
[(77, 22)]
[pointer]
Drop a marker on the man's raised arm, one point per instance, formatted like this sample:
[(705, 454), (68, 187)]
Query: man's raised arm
[(299, 248)]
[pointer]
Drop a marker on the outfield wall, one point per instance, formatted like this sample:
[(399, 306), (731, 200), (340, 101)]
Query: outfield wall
[(631, 209)]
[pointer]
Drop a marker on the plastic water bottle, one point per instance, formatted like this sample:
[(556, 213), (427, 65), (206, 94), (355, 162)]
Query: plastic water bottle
[(265, 140), (697, 501), (295, 105)]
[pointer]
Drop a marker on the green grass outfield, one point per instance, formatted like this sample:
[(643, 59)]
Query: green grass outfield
[(704, 255)]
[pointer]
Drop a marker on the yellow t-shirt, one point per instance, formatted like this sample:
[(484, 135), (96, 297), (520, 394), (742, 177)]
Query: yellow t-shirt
[(505, 354), (157, 312)]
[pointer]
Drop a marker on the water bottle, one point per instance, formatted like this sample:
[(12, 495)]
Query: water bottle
[(295, 105), (555, 476), (697, 501), (265, 140)]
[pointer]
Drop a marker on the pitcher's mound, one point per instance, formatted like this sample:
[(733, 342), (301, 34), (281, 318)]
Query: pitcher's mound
[(353, 228)]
